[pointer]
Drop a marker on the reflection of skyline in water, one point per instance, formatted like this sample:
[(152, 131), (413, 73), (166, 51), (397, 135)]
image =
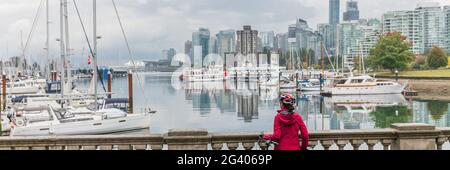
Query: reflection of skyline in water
[(249, 107)]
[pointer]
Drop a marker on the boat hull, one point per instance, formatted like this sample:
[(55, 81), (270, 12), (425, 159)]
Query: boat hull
[(92, 127), (394, 89)]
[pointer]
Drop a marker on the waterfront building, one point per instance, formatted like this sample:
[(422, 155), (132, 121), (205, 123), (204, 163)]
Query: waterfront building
[(247, 41), (405, 22), (424, 26), (281, 42), (447, 28), (170, 54), (188, 48), (431, 20), (302, 37), (213, 46), (352, 13), (164, 54), (267, 39), (350, 36), (226, 42), (328, 33), (334, 12), (200, 42), (371, 35)]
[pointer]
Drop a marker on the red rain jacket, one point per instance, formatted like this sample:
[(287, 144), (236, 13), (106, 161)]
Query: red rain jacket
[(286, 127)]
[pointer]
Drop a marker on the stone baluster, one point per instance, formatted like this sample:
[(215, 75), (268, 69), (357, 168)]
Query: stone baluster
[(37, 148), (55, 148), (140, 147), (327, 144), (440, 141), (312, 144), (156, 146), (73, 147), (371, 143), (89, 147), (341, 144), (23, 148), (386, 143), (105, 147), (6, 148), (188, 139), (248, 145), (356, 143), (232, 145), (125, 147), (217, 146), (263, 145)]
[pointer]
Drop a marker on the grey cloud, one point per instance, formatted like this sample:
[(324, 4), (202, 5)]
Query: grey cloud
[(153, 25)]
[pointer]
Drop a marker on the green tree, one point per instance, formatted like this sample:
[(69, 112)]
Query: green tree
[(436, 58), (392, 52), (437, 109)]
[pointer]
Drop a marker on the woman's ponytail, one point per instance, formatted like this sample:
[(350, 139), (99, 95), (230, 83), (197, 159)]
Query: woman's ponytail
[(289, 107)]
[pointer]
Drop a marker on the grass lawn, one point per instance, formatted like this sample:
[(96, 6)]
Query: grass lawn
[(422, 73)]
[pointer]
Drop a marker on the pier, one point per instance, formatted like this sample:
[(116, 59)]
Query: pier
[(398, 137)]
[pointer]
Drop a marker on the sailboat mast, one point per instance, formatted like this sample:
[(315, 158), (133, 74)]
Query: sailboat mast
[(66, 63), (94, 77), (63, 50), (47, 43)]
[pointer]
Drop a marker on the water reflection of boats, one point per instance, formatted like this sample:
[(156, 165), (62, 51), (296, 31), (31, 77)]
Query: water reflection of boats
[(354, 110)]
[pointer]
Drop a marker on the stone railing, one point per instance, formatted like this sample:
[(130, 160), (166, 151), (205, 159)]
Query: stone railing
[(399, 137)]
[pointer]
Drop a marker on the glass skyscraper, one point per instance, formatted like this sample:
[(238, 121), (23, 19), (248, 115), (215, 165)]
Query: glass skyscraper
[(352, 13), (200, 43), (334, 12)]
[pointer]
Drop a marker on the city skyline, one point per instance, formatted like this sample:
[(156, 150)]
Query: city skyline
[(152, 26)]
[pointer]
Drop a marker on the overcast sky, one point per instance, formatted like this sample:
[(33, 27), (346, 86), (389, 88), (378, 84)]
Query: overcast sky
[(154, 25)]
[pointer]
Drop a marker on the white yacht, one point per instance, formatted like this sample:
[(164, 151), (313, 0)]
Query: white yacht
[(254, 74), (309, 85), (204, 74), (47, 120), (362, 85), (22, 87)]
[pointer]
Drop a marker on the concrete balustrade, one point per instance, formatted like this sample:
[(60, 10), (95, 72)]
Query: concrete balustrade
[(398, 137)]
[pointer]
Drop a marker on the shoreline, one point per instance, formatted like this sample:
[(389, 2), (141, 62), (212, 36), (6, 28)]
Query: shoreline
[(429, 88)]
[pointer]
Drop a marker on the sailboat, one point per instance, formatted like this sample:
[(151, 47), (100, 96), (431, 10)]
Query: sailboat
[(99, 118)]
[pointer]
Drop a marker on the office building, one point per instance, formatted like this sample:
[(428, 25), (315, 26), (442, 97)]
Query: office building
[(247, 41)]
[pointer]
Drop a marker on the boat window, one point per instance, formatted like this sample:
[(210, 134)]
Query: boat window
[(341, 81), (357, 80)]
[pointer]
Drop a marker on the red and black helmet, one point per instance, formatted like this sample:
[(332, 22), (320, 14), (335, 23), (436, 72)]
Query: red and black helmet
[(287, 98)]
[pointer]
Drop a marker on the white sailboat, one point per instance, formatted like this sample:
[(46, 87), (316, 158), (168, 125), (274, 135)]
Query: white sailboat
[(48, 120), (66, 120)]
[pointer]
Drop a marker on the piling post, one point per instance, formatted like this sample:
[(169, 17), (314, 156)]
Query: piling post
[(130, 91), (279, 78), (296, 81), (4, 91), (320, 82), (109, 84)]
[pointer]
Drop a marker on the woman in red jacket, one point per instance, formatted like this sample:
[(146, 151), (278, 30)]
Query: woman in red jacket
[(287, 125)]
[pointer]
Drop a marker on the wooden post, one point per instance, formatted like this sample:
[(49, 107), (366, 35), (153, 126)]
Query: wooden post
[(4, 91), (296, 80), (109, 84), (279, 78), (130, 91), (320, 82)]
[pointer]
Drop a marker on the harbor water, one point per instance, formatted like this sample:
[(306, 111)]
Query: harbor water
[(250, 107)]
